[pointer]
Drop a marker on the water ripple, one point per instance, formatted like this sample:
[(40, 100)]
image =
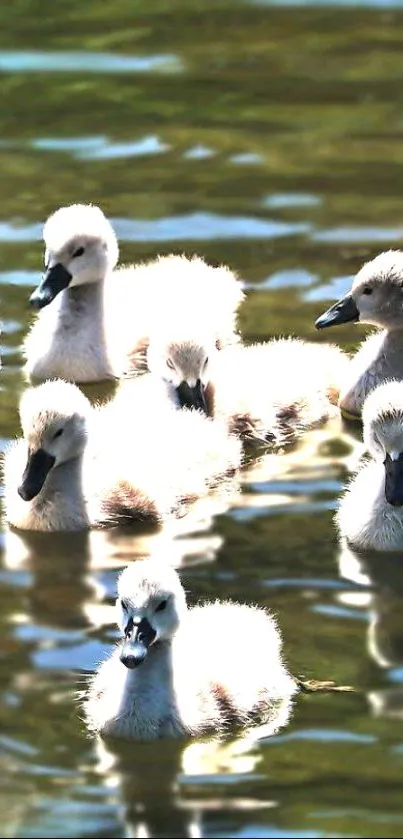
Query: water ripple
[(20, 278), (280, 200), (204, 226), (331, 291), (189, 227), (296, 277), (27, 61), (358, 235), (101, 148), (324, 735)]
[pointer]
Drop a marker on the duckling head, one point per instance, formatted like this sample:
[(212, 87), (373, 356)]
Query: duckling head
[(80, 247), (150, 605), (185, 364), (383, 435), (54, 422), (376, 295)]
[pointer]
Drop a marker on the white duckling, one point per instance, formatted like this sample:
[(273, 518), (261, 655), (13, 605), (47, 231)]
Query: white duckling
[(376, 298), (370, 515), (182, 671), (190, 292), (82, 330), (94, 319), (270, 392), (75, 469)]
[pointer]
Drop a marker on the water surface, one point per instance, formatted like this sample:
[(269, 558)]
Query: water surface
[(267, 136)]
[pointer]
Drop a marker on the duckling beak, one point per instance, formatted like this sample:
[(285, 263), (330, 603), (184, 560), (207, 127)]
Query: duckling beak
[(38, 466), (138, 638), (343, 311), (55, 279), (394, 478), (192, 397)]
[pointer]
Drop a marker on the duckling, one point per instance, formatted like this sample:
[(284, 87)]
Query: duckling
[(267, 392), (181, 671), (62, 475), (376, 298), (43, 471), (191, 292), (182, 360), (370, 515), (84, 303), (94, 318)]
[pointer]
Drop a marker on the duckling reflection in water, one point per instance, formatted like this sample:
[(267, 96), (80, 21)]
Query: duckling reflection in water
[(73, 470), (376, 298), (371, 511), (94, 318), (269, 392), (183, 671), (378, 588)]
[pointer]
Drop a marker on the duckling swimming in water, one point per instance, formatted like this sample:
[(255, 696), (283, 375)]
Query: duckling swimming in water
[(181, 671), (370, 515), (194, 299), (94, 319), (267, 392), (85, 303), (376, 298), (75, 469)]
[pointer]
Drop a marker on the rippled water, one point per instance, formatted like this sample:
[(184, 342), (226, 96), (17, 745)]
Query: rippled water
[(267, 136)]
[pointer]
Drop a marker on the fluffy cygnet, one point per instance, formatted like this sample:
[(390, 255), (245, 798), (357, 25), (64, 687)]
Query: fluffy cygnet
[(89, 313), (194, 298), (75, 468), (94, 320), (269, 392), (181, 671), (370, 516), (376, 298)]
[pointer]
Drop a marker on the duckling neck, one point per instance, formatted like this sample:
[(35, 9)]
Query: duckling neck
[(79, 297), (392, 346), (82, 329), (155, 673), (62, 497)]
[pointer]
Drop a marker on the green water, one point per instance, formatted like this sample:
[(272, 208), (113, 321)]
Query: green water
[(268, 137)]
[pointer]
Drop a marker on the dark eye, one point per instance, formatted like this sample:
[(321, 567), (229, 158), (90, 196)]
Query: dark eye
[(58, 433), (367, 289), (78, 252), (170, 364), (205, 363), (161, 606)]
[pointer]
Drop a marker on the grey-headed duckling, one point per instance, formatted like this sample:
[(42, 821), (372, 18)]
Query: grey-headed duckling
[(376, 298), (76, 468), (370, 514), (270, 392)]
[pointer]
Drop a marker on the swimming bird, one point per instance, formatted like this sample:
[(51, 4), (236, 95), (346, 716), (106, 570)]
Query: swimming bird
[(376, 298), (183, 671), (370, 514), (94, 318), (268, 392), (194, 299), (74, 468)]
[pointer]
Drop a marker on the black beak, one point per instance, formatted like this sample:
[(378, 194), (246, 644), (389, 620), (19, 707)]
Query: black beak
[(38, 467), (55, 279), (192, 397), (343, 311), (138, 638), (394, 480)]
